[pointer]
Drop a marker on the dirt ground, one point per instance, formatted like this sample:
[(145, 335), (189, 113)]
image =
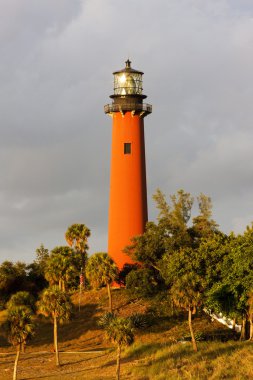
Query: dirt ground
[(41, 365)]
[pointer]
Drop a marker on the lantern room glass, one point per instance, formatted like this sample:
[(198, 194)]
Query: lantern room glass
[(127, 83)]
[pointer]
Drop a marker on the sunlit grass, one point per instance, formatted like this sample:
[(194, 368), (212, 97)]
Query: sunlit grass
[(214, 360)]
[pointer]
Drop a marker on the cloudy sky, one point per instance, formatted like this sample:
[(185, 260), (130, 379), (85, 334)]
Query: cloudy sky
[(57, 59)]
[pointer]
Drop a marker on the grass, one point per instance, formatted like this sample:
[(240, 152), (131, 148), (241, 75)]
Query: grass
[(157, 353), (214, 360)]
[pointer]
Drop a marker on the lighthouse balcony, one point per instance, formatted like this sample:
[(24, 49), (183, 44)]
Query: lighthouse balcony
[(134, 108)]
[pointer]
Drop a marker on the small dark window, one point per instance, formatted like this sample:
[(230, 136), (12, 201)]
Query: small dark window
[(127, 148)]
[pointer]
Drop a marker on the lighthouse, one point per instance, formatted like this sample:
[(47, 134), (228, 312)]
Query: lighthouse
[(128, 211)]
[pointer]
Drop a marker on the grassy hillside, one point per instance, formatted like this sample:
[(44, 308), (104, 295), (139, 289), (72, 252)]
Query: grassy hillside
[(159, 352)]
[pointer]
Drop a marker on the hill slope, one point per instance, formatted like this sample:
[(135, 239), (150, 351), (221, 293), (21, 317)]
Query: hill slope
[(157, 353)]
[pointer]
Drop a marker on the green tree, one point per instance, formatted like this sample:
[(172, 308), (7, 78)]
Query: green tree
[(183, 273), (162, 205), (211, 253), (13, 277), (227, 265), (188, 257), (62, 267), (35, 272), (102, 271), (120, 331), (7, 277), (42, 254), (77, 237), (175, 218), (149, 248), (221, 299), (237, 273), (170, 233), (203, 224), (194, 275), (20, 328), (56, 304)]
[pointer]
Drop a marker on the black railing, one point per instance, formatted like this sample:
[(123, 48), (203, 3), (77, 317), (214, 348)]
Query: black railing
[(128, 107)]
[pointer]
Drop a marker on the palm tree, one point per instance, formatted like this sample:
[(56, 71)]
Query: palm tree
[(185, 294), (77, 236), (102, 271), (56, 304), (119, 331), (20, 328), (24, 300), (61, 266)]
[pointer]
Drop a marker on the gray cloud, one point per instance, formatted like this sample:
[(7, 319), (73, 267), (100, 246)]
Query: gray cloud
[(55, 73)]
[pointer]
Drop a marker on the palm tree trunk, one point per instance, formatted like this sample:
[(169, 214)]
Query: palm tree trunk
[(83, 265), (109, 296), (243, 330), (194, 344), (118, 363), (16, 362), (251, 329), (56, 342)]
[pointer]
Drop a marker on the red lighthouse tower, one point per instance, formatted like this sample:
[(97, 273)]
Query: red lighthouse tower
[(128, 191)]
